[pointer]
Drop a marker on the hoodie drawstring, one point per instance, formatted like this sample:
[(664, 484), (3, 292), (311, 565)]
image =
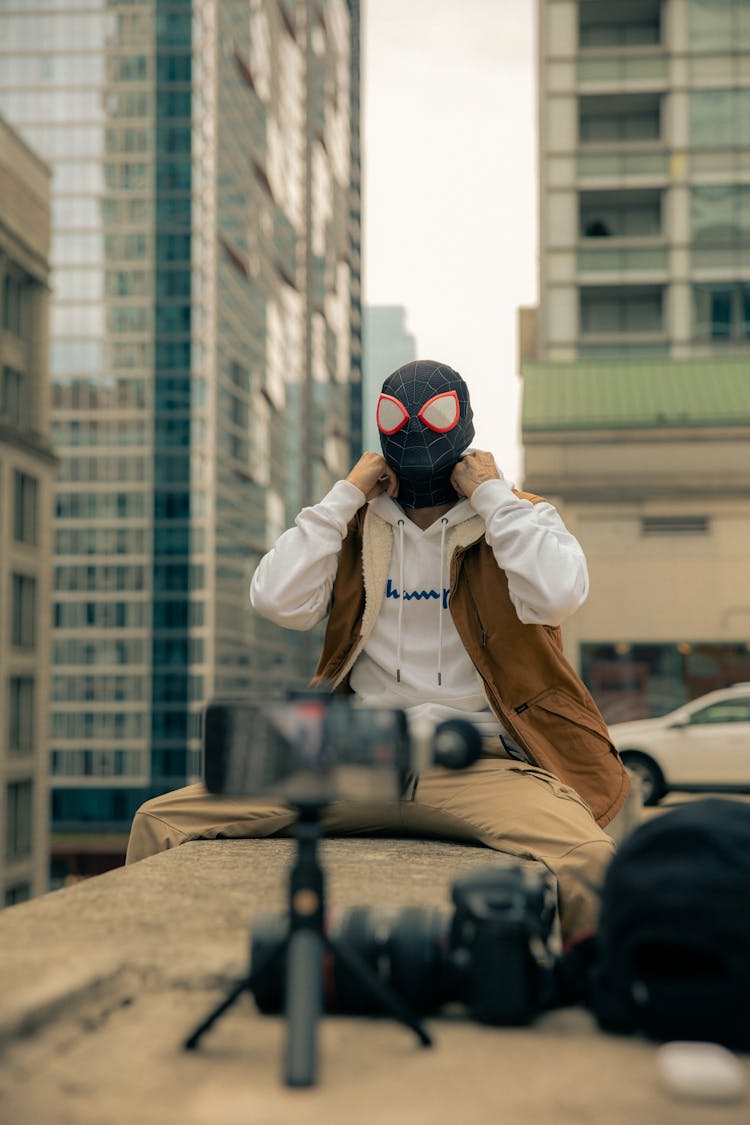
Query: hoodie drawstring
[(401, 597), (443, 530)]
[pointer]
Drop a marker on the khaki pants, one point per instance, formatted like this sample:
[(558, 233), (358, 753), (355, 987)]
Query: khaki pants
[(506, 805)]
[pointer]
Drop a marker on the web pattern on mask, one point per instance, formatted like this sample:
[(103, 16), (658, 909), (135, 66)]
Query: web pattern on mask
[(413, 385)]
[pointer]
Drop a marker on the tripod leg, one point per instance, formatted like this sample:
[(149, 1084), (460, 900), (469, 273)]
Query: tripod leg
[(248, 982), (304, 1002), (195, 1036), (381, 992)]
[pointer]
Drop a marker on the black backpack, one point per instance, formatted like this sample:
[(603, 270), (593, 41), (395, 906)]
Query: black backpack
[(672, 955)]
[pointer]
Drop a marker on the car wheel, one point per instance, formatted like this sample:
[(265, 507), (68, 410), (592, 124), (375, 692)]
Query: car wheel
[(646, 775)]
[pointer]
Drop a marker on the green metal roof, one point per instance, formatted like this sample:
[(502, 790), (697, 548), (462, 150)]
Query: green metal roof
[(650, 394)]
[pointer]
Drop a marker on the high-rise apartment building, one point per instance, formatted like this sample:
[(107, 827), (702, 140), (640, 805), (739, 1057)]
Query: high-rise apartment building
[(205, 290), (636, 411), (27, 471)]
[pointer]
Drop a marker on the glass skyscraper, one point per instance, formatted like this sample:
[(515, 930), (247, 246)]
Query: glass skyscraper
[(204, 356)]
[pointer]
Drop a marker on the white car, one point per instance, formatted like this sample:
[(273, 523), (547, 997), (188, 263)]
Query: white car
[(702, 746)]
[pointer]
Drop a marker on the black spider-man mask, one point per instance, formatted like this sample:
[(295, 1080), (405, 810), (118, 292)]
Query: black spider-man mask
[(425, 421)]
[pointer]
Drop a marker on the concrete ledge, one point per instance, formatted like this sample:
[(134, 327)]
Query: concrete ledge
[(183, 916), (102, 981)]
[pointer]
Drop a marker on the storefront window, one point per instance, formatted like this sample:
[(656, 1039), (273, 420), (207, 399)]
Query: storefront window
[(632, 680)]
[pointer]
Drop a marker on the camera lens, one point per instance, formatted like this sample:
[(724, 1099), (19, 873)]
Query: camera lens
[(419, 948), (267, 961), (404, 948)]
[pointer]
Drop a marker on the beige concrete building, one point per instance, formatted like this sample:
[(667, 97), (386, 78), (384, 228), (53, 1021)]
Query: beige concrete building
[(27, 469), (636, 365)]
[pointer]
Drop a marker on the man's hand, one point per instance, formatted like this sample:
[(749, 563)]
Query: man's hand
[(472, 470), (372, 476)]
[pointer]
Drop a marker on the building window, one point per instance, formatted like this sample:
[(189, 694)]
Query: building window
[(634, 23), (616, 119), (128, 68), (12, 302), (722, 312), (12, 396), (97, 763), (720, 215), (168, 764), (25, 510), (17, 892), (720, 118), (21, 713), (23, 611), (719, 24), (18, 832), (620, 214), (610, 311), (675, 525)]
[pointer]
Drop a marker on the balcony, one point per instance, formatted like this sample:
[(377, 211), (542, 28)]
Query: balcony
[(620, 233), (620, 45), (620, 138), (617, 260), (634, 166), (622, 72), (624, 318), (613, 119), (620, 214)]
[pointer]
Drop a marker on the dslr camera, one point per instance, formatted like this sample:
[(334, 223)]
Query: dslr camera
[(494, 956)]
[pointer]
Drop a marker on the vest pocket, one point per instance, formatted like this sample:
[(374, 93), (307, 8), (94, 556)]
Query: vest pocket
[(573, 744), (565, 724)]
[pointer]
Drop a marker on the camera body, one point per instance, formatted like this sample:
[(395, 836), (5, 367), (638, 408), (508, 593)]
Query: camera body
[(502, 942), (493, 956)]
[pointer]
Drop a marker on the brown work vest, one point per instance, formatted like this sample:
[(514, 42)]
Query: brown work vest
[(530, 685)]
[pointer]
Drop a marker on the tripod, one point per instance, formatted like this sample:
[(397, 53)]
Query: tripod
[(300, 956)]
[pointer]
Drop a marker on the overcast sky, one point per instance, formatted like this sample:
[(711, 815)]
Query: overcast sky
[(450, 189)]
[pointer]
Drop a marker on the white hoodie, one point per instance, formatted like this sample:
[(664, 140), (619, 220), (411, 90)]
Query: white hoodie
[(414, 658)]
